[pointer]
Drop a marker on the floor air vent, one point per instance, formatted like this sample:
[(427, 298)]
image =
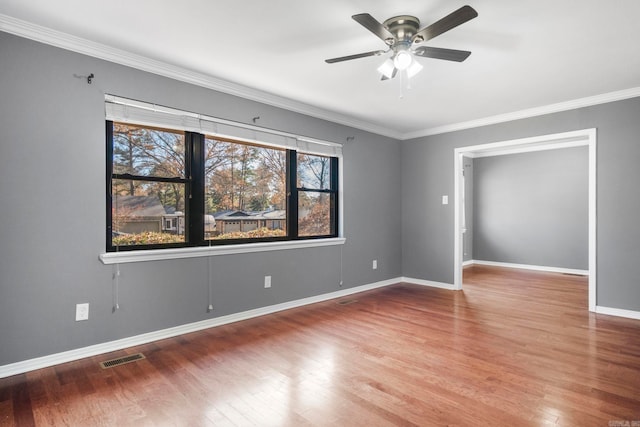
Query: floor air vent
[(121, 360), (347, 301)]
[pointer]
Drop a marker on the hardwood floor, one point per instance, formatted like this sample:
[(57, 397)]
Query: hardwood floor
[(515, 348)]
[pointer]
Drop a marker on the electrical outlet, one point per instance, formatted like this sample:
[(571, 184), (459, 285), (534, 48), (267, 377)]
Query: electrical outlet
[(82, 311), (375, 264), (267, 281)]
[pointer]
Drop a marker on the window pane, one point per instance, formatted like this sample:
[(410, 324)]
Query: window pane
[(147, 213), (146, 151), (314, 214), (245, 191), (314, 172)]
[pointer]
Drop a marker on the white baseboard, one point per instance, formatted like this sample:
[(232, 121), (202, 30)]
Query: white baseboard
[(422, 282), (529, 267), (94, 350), (618, 312)]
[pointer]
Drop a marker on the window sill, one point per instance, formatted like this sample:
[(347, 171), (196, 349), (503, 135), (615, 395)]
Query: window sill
[(204, 251)]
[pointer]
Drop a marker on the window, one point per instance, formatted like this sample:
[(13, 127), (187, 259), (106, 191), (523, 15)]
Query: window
[(316, 195), (169, 188), (148, 183), (245, 186)]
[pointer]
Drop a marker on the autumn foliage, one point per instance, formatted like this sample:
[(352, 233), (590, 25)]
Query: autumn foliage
[(146, 238), (253, 234)]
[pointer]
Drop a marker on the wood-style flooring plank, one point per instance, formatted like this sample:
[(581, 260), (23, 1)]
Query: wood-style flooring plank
[(514, 347)]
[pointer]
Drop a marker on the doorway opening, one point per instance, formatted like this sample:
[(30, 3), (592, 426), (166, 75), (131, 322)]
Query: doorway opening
[(546, 142)]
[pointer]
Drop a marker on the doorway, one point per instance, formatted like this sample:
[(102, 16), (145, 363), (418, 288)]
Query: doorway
[(585, 137)]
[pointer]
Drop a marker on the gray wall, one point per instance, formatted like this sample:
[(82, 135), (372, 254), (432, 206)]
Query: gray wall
[(52, 228), (427, 173), (532, 208)]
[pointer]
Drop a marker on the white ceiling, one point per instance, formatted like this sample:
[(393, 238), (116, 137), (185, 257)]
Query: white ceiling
[(527, 55)]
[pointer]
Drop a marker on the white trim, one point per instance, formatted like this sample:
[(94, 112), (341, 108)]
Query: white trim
[(618, 312), (580, 137), (529, 267), (593, 219), (428, 283), (529, 144), (80, 353), (530, 112), (97, 50), (203, 251), (529, 148)]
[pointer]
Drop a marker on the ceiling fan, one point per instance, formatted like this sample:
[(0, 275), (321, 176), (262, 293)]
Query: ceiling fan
[(401, 33)]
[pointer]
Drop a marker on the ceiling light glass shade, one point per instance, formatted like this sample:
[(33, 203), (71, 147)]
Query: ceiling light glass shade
[(386, 69), (413, 69), (402, 60)]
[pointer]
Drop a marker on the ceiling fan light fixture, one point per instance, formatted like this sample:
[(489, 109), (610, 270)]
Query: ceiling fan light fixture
[(403, 60), (414, 68), (386, 69), (401, 33)]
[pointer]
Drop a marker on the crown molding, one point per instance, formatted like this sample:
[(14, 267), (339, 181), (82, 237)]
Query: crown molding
[(76, 44), (83, 46), (530, 112)]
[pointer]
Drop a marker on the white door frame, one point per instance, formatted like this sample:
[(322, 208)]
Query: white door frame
[(546, 142)]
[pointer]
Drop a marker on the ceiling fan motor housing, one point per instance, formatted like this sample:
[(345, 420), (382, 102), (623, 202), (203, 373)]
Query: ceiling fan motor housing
[(403, 28)]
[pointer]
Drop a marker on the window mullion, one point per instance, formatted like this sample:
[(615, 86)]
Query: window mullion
[(195, 171), (130, 177), (292, 194), (315, 190), (109, 190), (334, 196)]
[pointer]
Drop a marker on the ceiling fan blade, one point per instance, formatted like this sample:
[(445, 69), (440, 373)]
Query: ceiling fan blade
[(460, 16), (395, 71), (356, 56), (371, 24), (439, 53)]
